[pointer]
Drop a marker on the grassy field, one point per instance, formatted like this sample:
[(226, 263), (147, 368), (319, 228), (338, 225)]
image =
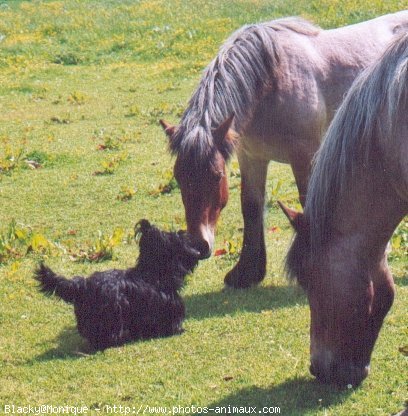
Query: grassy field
[(82, 158)]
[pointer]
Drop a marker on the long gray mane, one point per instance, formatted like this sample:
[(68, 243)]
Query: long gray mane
[(364, 123), (234, 81)]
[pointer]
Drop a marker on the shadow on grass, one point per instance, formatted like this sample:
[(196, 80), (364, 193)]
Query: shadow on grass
[(69, 345), (293, 397), (256, 299)]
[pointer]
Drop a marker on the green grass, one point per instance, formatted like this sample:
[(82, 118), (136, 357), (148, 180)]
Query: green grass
[(82, 84)]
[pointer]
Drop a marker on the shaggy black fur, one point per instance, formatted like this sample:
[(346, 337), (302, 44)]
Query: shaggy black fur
[(117, 306)]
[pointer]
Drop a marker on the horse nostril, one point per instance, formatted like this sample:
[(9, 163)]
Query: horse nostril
[(323, 368), (351, 374), (204, 248), (341, 374), (319, 373)]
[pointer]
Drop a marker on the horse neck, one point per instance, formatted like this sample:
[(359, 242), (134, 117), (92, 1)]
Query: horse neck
[(207, 118), (234, 82), (197, 118)]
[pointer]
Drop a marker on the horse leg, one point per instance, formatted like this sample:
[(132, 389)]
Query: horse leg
[(301, 167), (251, 267)]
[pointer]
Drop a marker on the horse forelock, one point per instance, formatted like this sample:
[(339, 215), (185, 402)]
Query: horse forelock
[(298, 253), (292, 259), (194, 148), (364, 123)]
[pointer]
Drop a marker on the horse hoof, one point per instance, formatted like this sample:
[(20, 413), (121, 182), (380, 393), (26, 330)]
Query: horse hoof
[(238, 278)]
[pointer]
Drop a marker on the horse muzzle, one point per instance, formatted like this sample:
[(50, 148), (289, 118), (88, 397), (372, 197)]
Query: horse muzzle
[(203, 242), (342, 373), (204, 249)]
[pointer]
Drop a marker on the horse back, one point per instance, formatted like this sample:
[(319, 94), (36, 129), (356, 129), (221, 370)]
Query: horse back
[(315, 72)]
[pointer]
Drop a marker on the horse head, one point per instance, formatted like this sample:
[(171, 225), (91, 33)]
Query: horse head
[(200, 170), (348, 303)]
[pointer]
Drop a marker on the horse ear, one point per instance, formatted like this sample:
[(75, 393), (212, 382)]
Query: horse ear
[(296, 219), (224, 137), (168, 128)]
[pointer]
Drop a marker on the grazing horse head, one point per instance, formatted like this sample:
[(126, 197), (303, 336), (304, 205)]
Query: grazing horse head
[(357, 196), (347, 305), (200, 171)]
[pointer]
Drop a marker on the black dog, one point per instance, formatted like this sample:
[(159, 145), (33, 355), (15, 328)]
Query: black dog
[(117, 306)]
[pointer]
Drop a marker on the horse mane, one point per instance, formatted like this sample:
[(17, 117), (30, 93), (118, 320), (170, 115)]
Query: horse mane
[(232, 83), (363, 124)]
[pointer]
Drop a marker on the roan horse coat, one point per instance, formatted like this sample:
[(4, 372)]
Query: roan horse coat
[(270, 93)]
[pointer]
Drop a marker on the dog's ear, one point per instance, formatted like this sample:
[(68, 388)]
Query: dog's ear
[(142, 227)]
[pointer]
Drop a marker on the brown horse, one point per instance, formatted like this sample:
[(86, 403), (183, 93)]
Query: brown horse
[(270, 93), (358, 194)]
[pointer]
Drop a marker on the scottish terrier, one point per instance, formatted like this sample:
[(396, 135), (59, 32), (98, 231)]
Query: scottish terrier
[(117, 306)]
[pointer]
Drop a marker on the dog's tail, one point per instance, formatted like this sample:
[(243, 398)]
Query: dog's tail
[(53, 284)]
